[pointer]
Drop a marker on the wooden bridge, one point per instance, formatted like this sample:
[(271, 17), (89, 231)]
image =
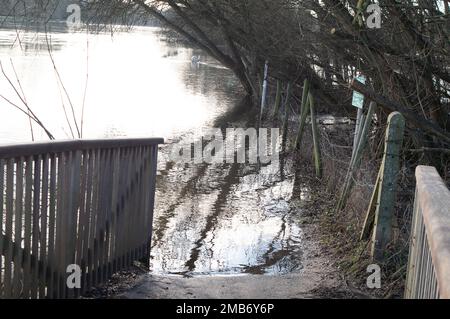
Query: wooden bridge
[(87, 203)]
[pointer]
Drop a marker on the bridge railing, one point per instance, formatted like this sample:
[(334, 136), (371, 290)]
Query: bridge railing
[(429, 258), (70, 206)]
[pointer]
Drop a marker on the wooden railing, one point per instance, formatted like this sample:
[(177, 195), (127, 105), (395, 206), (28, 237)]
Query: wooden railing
[(429, 259), (85, 202)]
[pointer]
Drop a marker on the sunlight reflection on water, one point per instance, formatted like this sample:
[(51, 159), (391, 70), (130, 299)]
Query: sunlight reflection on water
[(138, 85)]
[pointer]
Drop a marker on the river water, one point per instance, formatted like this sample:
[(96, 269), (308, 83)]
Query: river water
[(209, 219)]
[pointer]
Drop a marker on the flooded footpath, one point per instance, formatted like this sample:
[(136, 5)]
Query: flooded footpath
[(232, 231)]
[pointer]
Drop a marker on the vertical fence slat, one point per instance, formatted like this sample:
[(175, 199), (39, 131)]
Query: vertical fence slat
[(87, 241), (8, 228), (59, 242), (102, 213), (51, 227), (18, 230), (82, 221), (2, 194), (114, 209), (27, 228), (43, 232), (35, 219), (106, 215), (74, 191), (96, 214)]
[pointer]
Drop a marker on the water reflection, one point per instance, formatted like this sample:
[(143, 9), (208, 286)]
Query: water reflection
[(139, 84), (225, 219)]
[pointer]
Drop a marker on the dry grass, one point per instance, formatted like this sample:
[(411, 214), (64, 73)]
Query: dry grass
[(340, 232)]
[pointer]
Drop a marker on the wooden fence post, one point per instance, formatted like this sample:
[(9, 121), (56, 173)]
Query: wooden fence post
[(286, 117), (388, 185), (277, 100), (315, 134), (304, 113), (264, 91)]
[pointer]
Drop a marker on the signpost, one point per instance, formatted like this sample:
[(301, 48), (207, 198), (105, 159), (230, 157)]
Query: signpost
[(358, 101)]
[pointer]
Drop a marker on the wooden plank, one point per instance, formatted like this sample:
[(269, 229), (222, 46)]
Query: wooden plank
[(86, 265), (388, 185), (135, 203), (124, 163), (35, 227), (276, 107), (72, 212), (2, 194), (51, 227), (82, 220), (43, 233), (67, 223), (9, 228), (96, 207), (27, 228), (316, 138), (17, 286), (147, 208), (101, 215), (59, 245), (286, 117), (303, 114), (128, 209), (114, 209), (154, 164), (370, 214), (105, 214), (145, 203), (93, 223), (141, 203)]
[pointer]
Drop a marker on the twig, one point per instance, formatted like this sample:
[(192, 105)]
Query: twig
[(24, 97), (61, 82), (29, 110)]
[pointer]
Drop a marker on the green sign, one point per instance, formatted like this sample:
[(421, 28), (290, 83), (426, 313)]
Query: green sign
[(358, 98)]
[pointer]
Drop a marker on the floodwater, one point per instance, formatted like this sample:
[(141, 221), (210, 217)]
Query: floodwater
[(135, 84), (209, 219)]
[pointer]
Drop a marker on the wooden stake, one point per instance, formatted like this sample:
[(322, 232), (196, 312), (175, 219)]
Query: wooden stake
[(388, 186), (315, 134), (370, 215), (277, 100), (286, 117), (304, 113)]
